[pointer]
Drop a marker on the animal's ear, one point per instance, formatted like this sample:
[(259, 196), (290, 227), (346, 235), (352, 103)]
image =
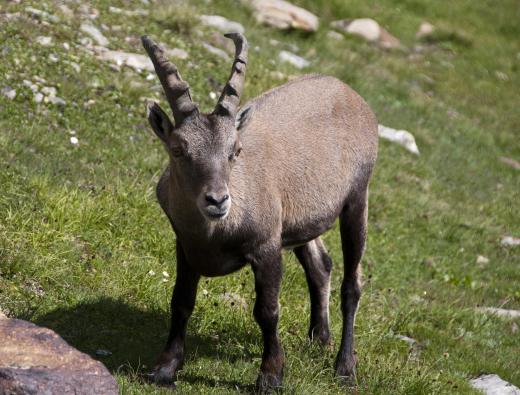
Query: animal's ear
[(160, 122), (243, 117)]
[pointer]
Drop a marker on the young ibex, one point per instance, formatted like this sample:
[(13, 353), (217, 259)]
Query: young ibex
[(241, 185)]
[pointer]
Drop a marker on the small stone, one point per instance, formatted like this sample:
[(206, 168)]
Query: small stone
[(510, 241), (134, 12), (222, 24), (212, 95), (216, 51), (367, 28), (138, 62), (426, 29), (165, 274), (54, 58), (57, 101), (151, 273), (411, 342), (74, 140), (482, 260), (492, 384), (38, 97), (94, 33), (205, 292), (49, 91), (42, 15), (401, 137), (277, 75), (176, 53), (44, 41), (331, 34), (9, 92), (284, 15), (504, 313), (66, 11), (510, 162), (103, 353), (293, 59), (66, 46)]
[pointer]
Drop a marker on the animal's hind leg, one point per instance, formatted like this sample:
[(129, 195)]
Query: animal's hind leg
[(317, 264), (353, 228)]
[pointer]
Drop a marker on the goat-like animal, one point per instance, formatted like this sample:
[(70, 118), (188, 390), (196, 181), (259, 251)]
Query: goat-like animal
[(241, 185)]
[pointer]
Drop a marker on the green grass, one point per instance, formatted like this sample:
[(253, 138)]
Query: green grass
[(80, 229)]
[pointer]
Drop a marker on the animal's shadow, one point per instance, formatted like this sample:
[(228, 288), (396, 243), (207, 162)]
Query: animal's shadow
[(134, 338)]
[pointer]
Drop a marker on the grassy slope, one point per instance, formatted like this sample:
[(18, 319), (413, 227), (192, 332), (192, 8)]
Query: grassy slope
[(80, 229)]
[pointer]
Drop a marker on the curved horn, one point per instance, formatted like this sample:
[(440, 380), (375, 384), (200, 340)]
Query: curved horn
[(176, 90), (230, 98)]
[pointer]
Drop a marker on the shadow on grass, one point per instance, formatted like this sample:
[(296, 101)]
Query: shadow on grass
[(134, 337)]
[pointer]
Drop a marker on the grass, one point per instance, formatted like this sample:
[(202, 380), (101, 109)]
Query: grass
[(80, 231)]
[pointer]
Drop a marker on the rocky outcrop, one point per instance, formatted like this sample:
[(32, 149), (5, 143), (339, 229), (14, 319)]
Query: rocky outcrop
[(35, 360), (284, 15)]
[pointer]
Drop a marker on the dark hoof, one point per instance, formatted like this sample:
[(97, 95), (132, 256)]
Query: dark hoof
[(268, 383), (346, 370), (320, 336), (165, 374)]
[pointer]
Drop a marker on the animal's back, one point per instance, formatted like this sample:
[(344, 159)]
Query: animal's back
[(315, 140)]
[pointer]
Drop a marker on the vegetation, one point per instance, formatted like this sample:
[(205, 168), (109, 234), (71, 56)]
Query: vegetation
[(86, 251)]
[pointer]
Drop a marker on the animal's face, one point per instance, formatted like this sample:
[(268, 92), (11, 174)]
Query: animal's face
[(202, 150)]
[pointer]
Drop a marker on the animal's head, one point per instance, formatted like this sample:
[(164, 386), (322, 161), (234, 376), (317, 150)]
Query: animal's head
[(203, 147)]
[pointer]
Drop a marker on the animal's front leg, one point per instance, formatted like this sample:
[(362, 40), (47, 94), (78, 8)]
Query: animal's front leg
[(268, 276), (183, 301)]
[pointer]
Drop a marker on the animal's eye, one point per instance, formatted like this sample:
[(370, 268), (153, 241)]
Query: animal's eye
[(177, 152)]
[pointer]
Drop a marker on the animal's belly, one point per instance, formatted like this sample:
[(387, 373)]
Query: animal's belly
[(214, 264), (297, 233)]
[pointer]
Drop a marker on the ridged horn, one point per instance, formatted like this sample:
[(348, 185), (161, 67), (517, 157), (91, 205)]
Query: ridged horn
[(230, 98), (177, 91)]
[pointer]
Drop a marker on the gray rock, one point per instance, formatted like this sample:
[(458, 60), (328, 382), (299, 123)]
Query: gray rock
[(411, 342), (42, 15), (216, 51), (44, 41), (284, 15), (136, 61), (35, 360), (57, 101), (492, 384), (38, 97), (510, 162), (94, 33), (335, 35), (504, 313), (49, 91), (368, 29), (221, 23), (510, 241), (482, 260), (134, 12), (293, 59), (425, 30), (9, 92), (401, 137)]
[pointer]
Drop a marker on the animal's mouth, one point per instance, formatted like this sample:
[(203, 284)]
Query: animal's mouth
[(217, 215)]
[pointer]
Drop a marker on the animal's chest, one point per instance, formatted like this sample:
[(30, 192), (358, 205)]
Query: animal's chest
[(214, 259)]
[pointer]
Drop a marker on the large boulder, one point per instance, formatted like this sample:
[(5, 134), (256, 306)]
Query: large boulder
[(284, 15), (35, 360)]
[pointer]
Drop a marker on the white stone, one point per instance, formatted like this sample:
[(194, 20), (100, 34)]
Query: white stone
[(222, 24), (165, 274), (42, 14), (151, 273), (293, 59), (401, 137), (9, 92), (482, 260), (212, 95), (44, 41), (58, 101), (38, 97), (409, 340), (425, 29), (135, 12), (216, 51), (49, 91), (492, 384), (74, 140), (510, 241), (136, 61), (94, 33), (54, 58), (284, 15), (177, 53), (335, 35), (367, 28), (504, 313)]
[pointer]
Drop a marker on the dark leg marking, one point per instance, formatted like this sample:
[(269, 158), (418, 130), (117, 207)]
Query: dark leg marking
[(182, 303), (268, 276), (317, 264), (353, 228)]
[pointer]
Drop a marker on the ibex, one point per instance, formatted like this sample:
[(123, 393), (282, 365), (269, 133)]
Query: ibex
[(243, 184)]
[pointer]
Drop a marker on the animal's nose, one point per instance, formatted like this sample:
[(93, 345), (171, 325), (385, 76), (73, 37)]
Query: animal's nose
[(215, 199)]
